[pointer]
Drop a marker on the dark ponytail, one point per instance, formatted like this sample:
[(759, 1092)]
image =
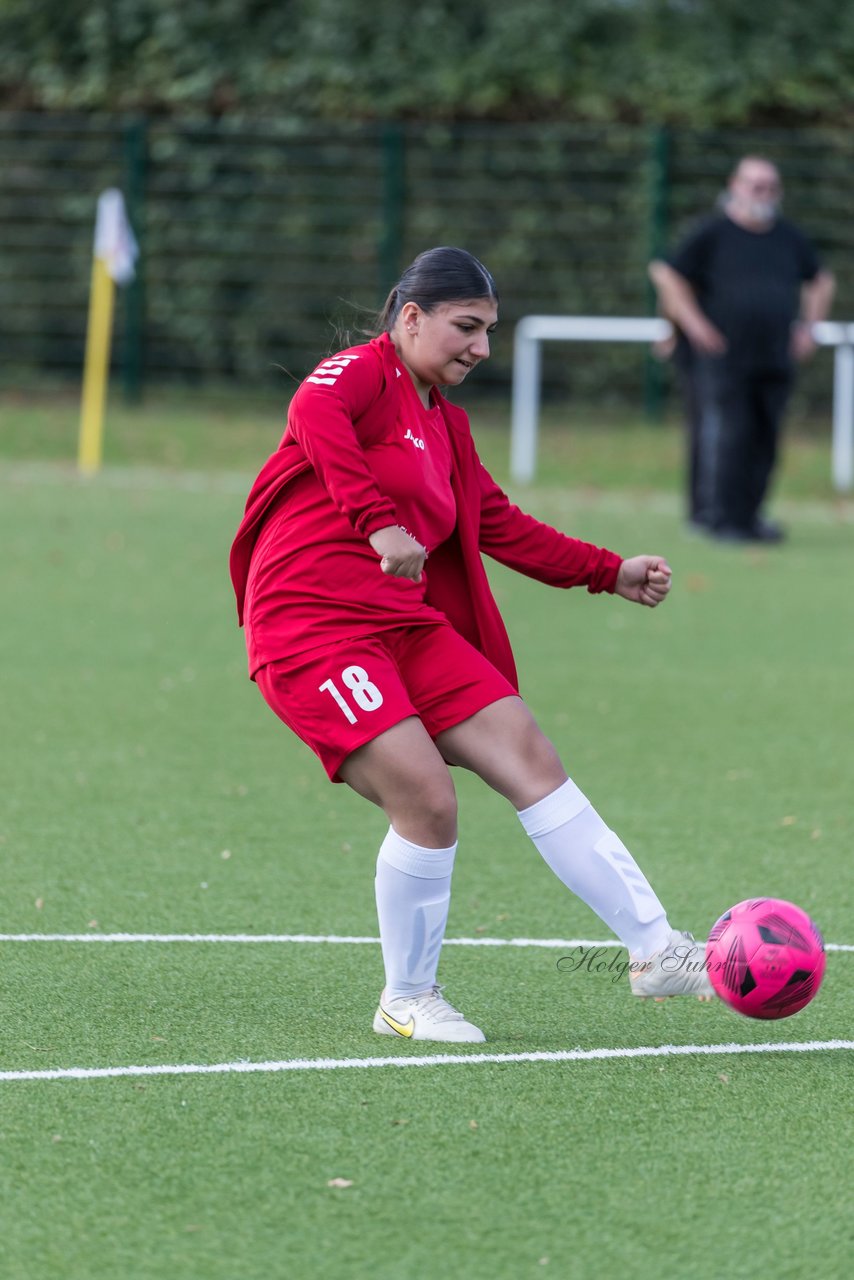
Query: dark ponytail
[(438, 275)]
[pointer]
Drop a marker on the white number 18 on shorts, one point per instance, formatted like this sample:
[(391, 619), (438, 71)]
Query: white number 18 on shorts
[(363, 691)]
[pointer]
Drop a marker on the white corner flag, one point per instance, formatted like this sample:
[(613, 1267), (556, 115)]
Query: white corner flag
[(115, 255), (115, 243)]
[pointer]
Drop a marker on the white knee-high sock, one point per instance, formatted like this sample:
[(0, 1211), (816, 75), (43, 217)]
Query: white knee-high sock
[(595, 864), (413, 888)]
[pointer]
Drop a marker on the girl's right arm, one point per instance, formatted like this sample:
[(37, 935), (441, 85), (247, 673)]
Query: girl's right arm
[(321, 419)]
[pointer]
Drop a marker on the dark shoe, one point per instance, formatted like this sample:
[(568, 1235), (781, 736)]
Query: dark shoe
[(767, 531), (731, 533), (759, 531)]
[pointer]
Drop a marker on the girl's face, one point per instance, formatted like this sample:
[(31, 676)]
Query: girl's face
[(441, 346)]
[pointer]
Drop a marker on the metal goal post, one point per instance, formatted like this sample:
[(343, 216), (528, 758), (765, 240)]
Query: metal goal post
[(531, 331)]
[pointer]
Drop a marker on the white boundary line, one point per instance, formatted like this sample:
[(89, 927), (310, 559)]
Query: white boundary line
[(339, 938), (432, 1060), (332, 938)]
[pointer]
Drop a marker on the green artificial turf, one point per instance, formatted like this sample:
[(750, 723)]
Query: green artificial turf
[(713, 734)]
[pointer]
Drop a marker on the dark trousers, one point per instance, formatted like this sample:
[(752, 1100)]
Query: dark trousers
[(734, 419)]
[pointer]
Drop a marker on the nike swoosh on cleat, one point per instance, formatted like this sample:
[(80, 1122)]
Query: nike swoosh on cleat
[(402, 1028)]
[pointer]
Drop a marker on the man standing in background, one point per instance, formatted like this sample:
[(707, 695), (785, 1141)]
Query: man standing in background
[(743, 289)]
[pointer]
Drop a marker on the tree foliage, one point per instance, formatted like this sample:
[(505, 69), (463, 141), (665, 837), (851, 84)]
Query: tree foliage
[(696, 62)]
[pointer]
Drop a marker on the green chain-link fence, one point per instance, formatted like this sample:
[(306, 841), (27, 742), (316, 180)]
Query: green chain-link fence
[(264, 243)]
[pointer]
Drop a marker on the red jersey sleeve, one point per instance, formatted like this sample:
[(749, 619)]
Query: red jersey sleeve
[(322, 419), (531, 547)]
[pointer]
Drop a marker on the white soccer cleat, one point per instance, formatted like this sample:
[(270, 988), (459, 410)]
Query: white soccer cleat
[(427, 1016), (679, 969)]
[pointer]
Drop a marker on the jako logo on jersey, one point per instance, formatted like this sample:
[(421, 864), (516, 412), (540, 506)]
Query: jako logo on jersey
[(419, 444), (328, 371)]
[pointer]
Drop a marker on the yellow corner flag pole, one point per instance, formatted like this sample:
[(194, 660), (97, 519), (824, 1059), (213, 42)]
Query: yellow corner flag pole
[(95, 370), (113, 263)]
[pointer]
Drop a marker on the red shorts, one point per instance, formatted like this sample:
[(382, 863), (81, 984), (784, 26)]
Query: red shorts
[(339, 697)]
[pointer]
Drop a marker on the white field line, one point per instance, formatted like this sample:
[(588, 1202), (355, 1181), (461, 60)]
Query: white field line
[(563, 944), (426, 1060)]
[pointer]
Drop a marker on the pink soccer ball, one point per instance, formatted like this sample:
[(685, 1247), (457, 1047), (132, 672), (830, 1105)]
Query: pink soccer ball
[(765, 958)]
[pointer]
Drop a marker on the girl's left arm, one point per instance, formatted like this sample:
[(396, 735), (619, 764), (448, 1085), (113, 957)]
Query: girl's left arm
[(536, 549)]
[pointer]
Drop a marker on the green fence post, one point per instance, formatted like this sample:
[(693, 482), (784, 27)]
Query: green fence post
[(658, 191), (390, 245), (135, 147)]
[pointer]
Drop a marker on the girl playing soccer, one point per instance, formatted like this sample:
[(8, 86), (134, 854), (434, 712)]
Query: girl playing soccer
[(373, 634)]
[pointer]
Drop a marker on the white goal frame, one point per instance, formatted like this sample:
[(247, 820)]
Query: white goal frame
[(532, 331)]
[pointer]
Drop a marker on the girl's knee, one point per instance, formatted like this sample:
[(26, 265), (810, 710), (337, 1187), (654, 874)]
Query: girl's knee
[(540, 769), (425, 812), (536, 749)]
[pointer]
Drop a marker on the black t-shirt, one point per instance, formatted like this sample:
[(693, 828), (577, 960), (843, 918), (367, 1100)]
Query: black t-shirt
[(748, 284)]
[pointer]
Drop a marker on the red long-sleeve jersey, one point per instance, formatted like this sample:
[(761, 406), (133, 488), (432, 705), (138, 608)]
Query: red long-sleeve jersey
[(360, 453)]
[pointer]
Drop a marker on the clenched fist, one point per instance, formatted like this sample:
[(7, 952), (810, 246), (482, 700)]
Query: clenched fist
[(400, 555), (644, 579)]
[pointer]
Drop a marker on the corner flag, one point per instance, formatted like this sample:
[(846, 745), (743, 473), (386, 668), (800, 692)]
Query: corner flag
[(115, 254)]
